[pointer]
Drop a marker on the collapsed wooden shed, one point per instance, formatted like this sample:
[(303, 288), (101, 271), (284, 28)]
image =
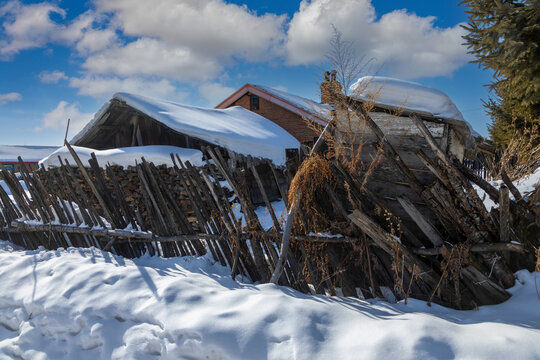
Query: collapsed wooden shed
[(391, 104)]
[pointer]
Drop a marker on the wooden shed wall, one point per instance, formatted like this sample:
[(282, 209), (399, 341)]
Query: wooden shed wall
[(405, 137)]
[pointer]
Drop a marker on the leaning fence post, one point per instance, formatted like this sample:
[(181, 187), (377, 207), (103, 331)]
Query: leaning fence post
[(504, 213)]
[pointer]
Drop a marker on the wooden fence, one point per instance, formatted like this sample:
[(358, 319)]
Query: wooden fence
[(53, 210), (458, 265)]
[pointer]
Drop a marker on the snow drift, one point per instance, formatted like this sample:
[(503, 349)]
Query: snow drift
[(27, 153), (90, 304), (129, 156)]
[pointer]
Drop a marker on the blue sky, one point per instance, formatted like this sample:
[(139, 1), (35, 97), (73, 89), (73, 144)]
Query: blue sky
[(61, 59)]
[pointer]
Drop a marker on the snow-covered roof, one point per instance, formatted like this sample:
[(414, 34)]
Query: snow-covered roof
[(322, 110), (406, 95), (306, 108), (235, 128), (9, 153), (128, 156)]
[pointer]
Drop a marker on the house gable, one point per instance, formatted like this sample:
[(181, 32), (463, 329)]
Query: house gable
[(288, 111)]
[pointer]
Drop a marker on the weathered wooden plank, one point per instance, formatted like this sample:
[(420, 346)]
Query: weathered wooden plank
[(424, 225), (476, 248), (387, 242), (459, 182), (485, 290), (511, 187)]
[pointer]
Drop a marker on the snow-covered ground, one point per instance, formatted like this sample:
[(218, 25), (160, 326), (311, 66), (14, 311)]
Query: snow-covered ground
[(10, 153), (525, 186), (90, 304)]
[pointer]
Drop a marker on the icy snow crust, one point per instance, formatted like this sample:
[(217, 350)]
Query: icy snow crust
[(90, 304), (28, 153), (129, 156), (235, 128)]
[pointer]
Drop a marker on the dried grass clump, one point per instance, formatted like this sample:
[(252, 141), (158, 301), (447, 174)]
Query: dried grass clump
[(309, 181), (311, 177), (454, 259)]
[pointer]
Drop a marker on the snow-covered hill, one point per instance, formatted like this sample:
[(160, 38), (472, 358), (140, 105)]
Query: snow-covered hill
[(89, 304)]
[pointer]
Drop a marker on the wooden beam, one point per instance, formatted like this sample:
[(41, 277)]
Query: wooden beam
[(277, 226), (17, 226), (477, 248), (388, 242), (432, 234), (511, 187)]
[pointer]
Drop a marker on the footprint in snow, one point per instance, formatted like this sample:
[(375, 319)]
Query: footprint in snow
[(112, 279)]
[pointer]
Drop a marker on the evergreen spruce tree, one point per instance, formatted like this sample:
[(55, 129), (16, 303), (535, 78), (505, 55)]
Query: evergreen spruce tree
[(505, 37)]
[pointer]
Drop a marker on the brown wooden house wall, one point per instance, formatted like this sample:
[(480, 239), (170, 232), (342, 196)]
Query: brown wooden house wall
[(291, 122)]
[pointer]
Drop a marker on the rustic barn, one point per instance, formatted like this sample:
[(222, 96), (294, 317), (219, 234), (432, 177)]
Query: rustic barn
[(129, 120), (293, 113), (31, 155), (133, 120)]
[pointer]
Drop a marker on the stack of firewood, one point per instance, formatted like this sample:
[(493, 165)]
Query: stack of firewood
[(128, 180)]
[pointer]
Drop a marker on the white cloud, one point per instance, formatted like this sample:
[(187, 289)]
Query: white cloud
[(104, 87), (57, 118), (185, 40), (215, 92), (31, 26), (52, 77), (406, 45), (134, 45), (150, 57), (310, 29), (93, 40), (9, 97), (210, 27), (26, 26)]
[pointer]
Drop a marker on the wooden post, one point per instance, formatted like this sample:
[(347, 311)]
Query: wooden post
[(285, 240), (513, 189), (277, 227), (504, 214), (91, 184)]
